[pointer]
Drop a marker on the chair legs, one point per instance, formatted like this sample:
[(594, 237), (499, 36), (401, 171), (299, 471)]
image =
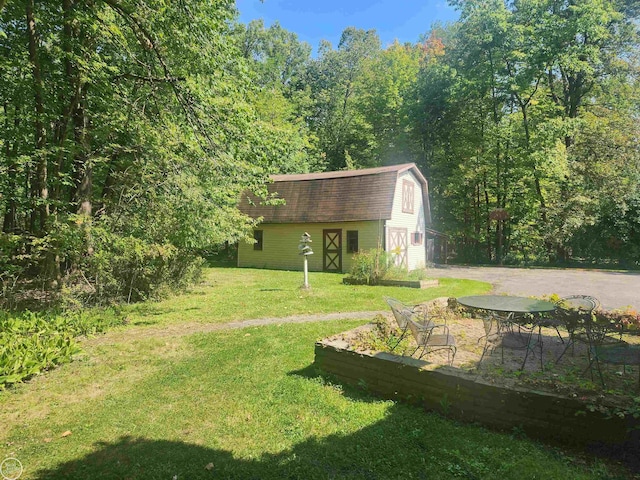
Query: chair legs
[(570, 343), (492, 333), (402, 335), (451, 351)]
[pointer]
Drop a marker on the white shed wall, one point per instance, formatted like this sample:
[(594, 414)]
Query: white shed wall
[(413, 222)]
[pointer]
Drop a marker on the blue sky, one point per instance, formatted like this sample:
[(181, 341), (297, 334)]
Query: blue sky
[(314, 20)]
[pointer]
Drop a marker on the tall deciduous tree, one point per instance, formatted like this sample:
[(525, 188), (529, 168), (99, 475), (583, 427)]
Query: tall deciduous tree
[(519, 91), (386, 99), (345, 137), (278, 62), (130, 117)]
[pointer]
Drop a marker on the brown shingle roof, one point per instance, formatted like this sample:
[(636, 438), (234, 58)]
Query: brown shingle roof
[(343, 196)]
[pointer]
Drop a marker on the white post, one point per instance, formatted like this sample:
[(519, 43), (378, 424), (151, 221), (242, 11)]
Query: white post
[(305, 251), (306, 273)]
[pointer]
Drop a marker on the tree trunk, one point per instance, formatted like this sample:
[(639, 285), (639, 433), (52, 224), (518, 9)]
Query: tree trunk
[(41, 188), (41, 181), (84, 169), (67, 98), (487, 220), (10, 222)]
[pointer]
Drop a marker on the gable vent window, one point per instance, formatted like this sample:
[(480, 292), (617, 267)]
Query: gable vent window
[(407, 196), (416, 238), (352, 241), (257, 236)]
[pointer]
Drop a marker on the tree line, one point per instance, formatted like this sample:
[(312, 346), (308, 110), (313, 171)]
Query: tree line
[(129, 129), (523, 115)]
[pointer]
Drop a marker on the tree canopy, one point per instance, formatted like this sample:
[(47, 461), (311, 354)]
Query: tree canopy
[(131, 127)]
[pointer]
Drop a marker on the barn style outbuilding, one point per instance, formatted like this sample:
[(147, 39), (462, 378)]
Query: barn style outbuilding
[(344, 212)]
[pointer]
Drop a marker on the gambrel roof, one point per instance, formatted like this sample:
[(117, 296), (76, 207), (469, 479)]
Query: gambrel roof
[(343, 196)]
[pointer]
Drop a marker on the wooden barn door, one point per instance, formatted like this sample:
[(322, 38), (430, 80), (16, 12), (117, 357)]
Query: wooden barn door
[(332, 250), (398, 243)]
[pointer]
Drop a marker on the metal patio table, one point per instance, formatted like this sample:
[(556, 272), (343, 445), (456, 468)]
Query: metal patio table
[(519, 310)]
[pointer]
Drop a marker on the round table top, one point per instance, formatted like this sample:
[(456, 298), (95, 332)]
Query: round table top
[(507, 303)]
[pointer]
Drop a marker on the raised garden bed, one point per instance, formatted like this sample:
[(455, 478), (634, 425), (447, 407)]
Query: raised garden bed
[(541, 404), (396, 283)]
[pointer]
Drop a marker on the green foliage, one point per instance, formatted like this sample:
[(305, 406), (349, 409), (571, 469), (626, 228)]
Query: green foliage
[(31, 343), (507, 102), (13, 262), (138, 118), (149, 118), (628, 411), (370, 266), (345, 135), (130, 269)]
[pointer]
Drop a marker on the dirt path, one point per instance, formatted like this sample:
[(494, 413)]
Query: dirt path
[(182, 329)]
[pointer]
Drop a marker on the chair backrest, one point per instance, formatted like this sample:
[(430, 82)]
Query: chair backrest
[(583, 303), (576, 311), (420, 334), (400, 311), (491, 328)]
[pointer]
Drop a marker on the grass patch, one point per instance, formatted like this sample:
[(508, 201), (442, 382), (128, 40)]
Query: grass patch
[(245, 404), (230, 294)]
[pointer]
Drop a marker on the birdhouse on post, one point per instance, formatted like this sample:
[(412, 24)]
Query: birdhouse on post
[(305, 251)]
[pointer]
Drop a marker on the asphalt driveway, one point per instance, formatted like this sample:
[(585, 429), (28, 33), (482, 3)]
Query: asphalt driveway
[(613, 289)]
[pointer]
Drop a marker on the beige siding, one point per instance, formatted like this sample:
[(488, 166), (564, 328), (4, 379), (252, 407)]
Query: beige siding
[(413, 222), (280, 244)]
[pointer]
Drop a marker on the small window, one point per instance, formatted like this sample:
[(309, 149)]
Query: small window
[(257, 236), (416, 238), (407, 196), (352, 241)]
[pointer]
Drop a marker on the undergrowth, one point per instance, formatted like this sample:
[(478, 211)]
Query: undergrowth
[(31, 343)]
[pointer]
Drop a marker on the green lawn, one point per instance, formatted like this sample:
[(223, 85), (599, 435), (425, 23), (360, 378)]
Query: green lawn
[(228, 294), (246, 403)]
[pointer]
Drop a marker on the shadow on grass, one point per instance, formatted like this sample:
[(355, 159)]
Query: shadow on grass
[(393, 448), (396, 447), (144, 323), (150, 310), (371, 453)]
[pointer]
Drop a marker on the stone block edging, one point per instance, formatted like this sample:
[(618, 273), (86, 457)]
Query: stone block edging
[(463, 396)]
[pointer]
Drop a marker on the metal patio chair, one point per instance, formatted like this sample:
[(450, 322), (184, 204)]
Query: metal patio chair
[(615, 353), (605, 345), (402, 312), (415, 319), (430, 342), (575, 314), (507, 332)]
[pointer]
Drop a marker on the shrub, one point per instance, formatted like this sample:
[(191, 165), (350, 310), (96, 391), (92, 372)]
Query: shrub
[(78, 263), (130, 269), (14, 263), (369, 266)]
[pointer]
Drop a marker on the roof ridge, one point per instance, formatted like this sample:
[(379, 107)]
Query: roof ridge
[(343, 173)]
